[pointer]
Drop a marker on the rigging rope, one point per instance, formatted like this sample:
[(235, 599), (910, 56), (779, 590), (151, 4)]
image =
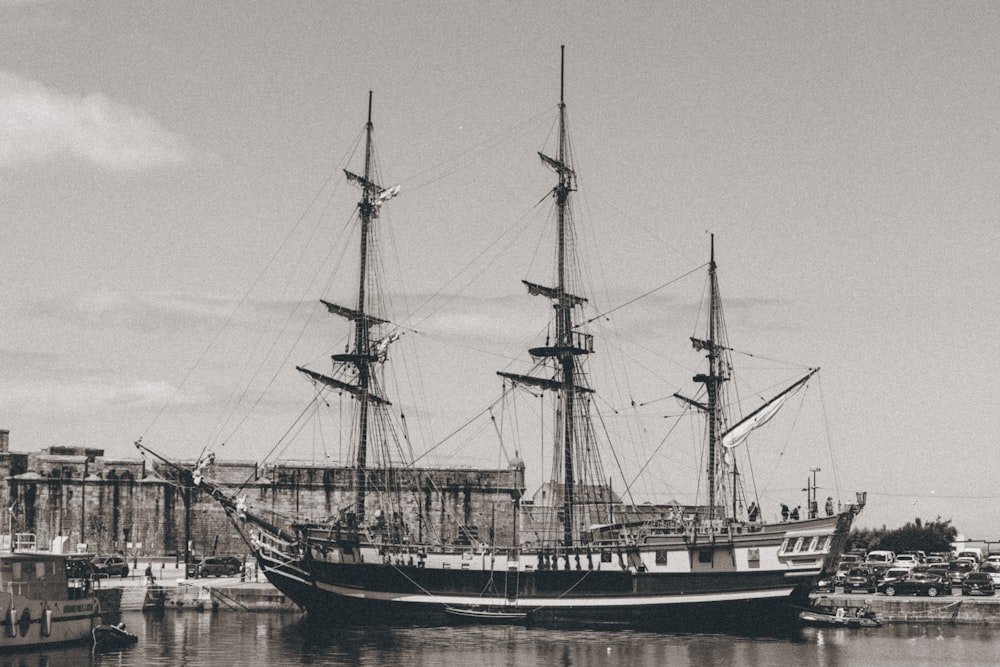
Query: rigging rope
[(644, 295)]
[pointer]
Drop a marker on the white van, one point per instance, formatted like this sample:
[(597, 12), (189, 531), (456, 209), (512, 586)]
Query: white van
[(881, 557), (970, 552)]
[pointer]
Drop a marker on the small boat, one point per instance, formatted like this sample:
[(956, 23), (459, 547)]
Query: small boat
[(111, 637), (499, 615), (862, 617)]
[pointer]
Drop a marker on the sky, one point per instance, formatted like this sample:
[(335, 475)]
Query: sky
[(173, 206)]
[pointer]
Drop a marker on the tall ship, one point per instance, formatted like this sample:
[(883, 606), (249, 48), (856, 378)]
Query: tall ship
[(591, 561)]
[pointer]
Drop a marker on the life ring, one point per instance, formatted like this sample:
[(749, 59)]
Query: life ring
[(11, 622), (25, 623), (46, 622)]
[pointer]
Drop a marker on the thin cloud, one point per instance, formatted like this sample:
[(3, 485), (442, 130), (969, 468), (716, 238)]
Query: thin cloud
[(144, 309), (39, 124), (81, 396)]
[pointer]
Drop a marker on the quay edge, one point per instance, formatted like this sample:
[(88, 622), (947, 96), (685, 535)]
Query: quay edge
[(952, 609)]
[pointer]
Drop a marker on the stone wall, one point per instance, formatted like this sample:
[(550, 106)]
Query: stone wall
[(106, 504)]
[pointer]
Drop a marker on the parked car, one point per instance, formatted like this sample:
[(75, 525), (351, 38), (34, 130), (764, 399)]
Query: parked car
[(235, 564), (993, 570), (958, 570), (894, 573), (978, 583), (79, 568), (970, 552), (879, 561), (860, 579), (842, 569), (906, 560), (215, 566), (916, 583), (110, 566)]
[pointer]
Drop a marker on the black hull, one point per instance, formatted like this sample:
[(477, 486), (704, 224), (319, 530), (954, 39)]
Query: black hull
[(759, 609), (771, 617)]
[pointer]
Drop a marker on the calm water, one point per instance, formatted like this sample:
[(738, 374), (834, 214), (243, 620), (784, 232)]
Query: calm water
[(228, 638)]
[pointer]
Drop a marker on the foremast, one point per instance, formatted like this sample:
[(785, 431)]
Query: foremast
[(361, 359), (568, 343), (366, 353)]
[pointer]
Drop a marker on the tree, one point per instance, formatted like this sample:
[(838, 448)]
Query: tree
[(916, 535)]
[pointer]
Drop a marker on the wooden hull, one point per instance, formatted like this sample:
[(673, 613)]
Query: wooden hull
[(747, 583)]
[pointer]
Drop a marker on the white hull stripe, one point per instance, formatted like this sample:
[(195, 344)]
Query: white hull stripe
[(802, 574), (559, 603)]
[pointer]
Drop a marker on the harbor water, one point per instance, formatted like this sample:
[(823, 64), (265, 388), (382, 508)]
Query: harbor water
[(207, 639)]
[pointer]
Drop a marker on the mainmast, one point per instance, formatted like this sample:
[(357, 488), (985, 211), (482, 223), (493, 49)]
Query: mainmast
[(568, 343), (564, 312)]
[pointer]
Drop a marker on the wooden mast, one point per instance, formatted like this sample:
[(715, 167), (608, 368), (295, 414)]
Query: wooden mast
[(564, 324), (364, 354), (713, 382), (568, 343), (362, 359), (361, 356)]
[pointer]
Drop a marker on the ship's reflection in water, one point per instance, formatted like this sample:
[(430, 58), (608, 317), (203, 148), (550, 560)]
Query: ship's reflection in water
[(223, 639)]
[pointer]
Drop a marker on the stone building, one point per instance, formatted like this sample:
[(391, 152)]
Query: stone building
[(107, 505)]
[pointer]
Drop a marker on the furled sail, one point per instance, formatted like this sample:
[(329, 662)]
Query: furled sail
[(345, 386), (544, 383), (558, 165), (735, 436), (351, 313), (541, 290)]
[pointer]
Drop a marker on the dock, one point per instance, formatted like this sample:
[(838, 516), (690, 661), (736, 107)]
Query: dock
[(170, 589), (956, 609)]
